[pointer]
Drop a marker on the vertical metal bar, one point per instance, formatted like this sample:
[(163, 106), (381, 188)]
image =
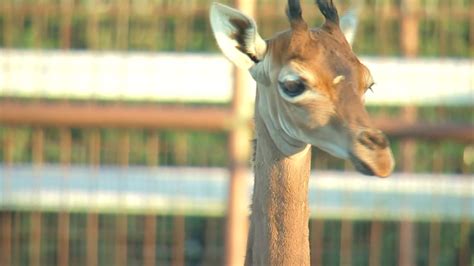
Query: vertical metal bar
[(435, 225), (159, 26), (375, 243), (38, 18), (92, 227), (239, 154), (6, 234), (92, 25), (6, 238), (154, 27), (8, 24), (471, 29), (237, 213), (161, 241), (407, 231), (63, 239), (149, 244), (210, 236), (409, 27), (438, 162), (16, 236), (123, 17), (37, 147), (406, 243), (408, 146), (63, 217), (178, 241), (35, 238), (18, 20), (121, 240), (66, 18), (317, 242), (410, 46), (92, 234), (179, 236), (121, 225), (6, 230), (434, 245), (65, 143), (124, 149), (181, 35), (346, 232), (37, 155), (94, 148), (465, 251), (381, 28), (153, 147), (346, 242), (149, 238), (443, 28), (181, 149), (8, 146)]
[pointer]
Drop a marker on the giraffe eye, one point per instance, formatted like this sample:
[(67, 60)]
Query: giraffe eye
[(292, 88)]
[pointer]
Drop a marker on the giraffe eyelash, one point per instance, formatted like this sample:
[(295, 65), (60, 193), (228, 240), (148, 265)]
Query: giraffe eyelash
[(370, 87)]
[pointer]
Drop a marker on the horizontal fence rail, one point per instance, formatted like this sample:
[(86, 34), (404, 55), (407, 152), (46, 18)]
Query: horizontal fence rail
[(203, 192), (197, 118), (116, 115), (182, 78)]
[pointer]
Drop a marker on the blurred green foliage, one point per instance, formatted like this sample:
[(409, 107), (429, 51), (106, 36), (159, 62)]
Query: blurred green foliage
[(445, 27)]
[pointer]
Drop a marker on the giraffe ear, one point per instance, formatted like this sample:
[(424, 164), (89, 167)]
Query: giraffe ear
[(237, 36), (348, 25)]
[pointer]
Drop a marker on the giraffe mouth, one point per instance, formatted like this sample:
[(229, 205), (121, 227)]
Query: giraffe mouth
[(361, 166), (380, 165)]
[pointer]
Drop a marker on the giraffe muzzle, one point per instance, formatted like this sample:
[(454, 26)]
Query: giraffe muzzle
[(373, 139), (371, 153)]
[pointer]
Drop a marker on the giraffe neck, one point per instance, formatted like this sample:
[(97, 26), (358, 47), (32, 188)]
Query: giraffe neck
[(279, 233)]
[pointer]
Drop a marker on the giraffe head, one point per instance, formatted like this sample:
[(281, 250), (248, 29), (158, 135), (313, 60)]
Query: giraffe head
[(310, 84)]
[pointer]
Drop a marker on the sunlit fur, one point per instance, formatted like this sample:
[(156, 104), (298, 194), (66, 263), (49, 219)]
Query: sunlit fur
[(224, 30), (328, 114), (338, 79)]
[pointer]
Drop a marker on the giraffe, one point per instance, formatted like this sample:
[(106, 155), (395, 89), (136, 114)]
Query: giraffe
[(310, 90)]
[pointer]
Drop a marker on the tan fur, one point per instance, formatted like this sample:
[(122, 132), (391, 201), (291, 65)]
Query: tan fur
[(327, 113), (279, 221), (332, 121), (340, 109)]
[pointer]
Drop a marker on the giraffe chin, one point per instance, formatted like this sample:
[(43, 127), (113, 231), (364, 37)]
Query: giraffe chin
[(382, 168)]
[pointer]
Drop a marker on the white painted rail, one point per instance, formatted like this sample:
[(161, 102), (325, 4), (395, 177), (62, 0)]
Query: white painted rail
[(208, 77), (203, 191)]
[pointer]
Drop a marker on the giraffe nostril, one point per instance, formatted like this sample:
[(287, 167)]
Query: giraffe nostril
[(373, 139)]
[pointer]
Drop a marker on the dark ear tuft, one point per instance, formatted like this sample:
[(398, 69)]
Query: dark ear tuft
[(329, 10), (241, 36)]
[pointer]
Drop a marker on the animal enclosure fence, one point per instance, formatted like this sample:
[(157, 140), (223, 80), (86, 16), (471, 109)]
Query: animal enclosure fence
[(39, 234), (42, 134), (445, 27)]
